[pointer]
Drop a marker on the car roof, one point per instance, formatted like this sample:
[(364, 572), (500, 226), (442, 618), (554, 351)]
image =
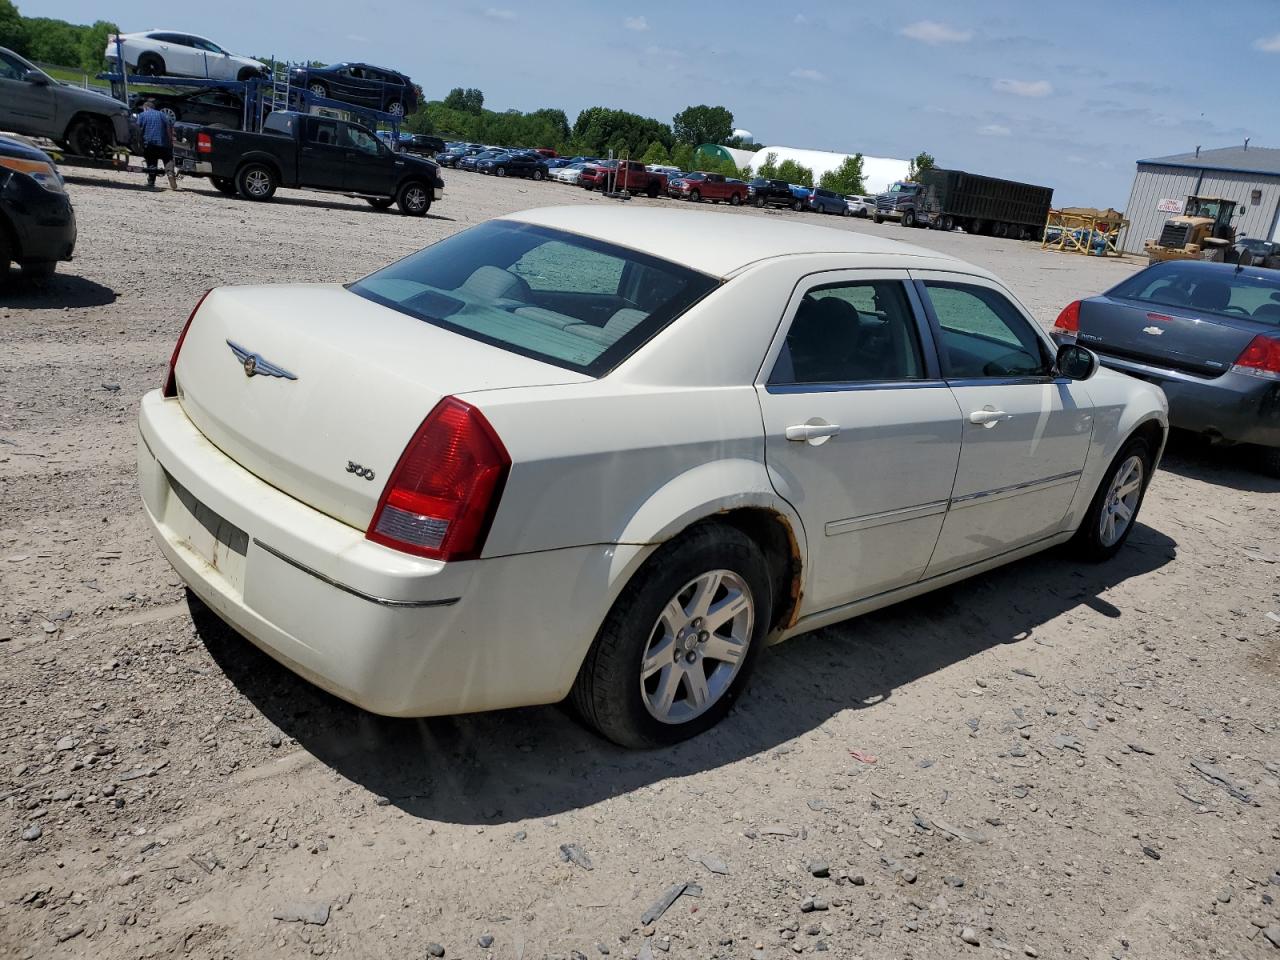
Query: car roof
[(720, 243)]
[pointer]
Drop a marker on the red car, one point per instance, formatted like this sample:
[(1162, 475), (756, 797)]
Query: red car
[(630, 175), (546, 152), (708, 186)]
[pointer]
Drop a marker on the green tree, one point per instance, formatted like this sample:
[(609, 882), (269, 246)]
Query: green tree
[(846, 178), (793, 172), (919, 163), (469, 100), (53, 41), (93, 44), (682, 157), (656, 153), (13, 29), (768, 169), (702, 124), (600, 129)]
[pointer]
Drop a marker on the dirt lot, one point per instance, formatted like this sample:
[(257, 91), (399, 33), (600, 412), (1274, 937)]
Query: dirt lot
[(168, 791)]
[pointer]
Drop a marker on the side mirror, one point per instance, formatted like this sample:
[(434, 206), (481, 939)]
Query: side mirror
[(36, 77), (1076, 362)]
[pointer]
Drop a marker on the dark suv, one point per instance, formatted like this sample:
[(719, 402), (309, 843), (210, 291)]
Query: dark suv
[(375, 88), (37, 224), (763, 192)]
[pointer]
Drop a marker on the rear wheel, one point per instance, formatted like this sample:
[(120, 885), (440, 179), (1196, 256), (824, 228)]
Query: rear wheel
[(797, 205), (999, 229), (256, 181), (948, 223), (318, 89), (151, 65), (652, 191), (395, 108), (379, 203), (1114, 510), (39, 271), (974, 226), (248, 73), (223, 185), (414, 199), (675, 651)]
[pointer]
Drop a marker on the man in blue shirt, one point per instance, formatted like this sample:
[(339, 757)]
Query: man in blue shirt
[(157, 143)]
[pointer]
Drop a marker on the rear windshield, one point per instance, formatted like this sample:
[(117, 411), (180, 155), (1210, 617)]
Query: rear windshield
[(572, 301), (1198, 287)]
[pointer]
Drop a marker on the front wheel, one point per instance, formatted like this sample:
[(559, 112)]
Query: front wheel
[(86, 138), (675, 651), (909, 218), (695, 196), (1114, 510), (538, 174), (760, 203), (256, 181), (797, 205), (735, 199), (414, 200), (846, 212), (878, 218), (500, 172)]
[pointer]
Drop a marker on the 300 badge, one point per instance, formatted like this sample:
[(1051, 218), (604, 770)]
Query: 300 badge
[(359, 471)]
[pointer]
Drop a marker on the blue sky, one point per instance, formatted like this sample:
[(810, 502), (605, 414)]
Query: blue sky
[(1067, 95)]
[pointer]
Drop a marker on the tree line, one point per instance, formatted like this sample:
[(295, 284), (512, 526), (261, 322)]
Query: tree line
[(47, 40)]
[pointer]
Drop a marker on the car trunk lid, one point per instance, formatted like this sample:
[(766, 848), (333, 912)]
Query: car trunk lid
[(1164, 336), (317, 391)]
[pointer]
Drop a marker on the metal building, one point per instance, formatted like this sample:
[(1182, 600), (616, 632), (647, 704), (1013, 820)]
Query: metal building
[(1248, 175)]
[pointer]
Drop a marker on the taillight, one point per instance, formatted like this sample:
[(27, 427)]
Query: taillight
[(1261, 358), (1069, 319), (204, 143), (442, 495), (171, 381)]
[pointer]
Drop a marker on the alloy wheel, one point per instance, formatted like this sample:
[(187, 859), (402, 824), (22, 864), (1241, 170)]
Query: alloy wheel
[(415, 198), (697, 647), (258, 183), (1122, 501)]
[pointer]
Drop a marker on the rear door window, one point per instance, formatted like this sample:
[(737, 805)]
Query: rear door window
[(569, 300)]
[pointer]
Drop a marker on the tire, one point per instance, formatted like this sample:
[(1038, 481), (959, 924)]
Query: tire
[(735, 199), (151, 65), (797, 206), (877, 219), (862, 213), (1268, 458), (256, 181), (652, 191), (86, 138), (500, 171), (247, 73), (414, 199), (171, 113), (695, 196), (379, 203), (6, 256), (1000, 230), (223, 185), (1092, 541), (760, 203), (948, 223), (974, 227), (909, 218), (538, 174), (846, 212), (610, 693), (39, 271), (318, 89), (395, 108)]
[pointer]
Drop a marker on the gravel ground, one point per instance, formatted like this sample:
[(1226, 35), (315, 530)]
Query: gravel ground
[(1052, 760)]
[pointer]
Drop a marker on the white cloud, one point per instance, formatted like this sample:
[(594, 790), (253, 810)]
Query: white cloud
[(1269, 44), (494, 13), (805, 73), (995, 130), (935, 34), (638, 24), (1023, 88), (801, 20)]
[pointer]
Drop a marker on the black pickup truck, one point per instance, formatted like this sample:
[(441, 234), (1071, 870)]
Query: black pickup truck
[(300, 150), (763, 192)]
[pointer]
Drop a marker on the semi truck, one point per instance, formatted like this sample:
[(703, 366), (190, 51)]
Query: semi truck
[(946, 199)]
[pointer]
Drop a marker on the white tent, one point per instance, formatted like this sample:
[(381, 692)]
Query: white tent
[(877, 172)]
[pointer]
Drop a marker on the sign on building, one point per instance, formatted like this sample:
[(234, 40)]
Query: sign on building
[(1170, 206)]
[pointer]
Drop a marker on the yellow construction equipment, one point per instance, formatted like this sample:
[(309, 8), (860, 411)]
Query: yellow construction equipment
[(1203, 231)]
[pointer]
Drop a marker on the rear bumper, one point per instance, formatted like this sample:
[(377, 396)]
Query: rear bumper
[(1235, 407), (395, 634)]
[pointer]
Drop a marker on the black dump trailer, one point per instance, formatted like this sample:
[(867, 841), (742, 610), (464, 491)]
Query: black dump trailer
[(1001, 208)]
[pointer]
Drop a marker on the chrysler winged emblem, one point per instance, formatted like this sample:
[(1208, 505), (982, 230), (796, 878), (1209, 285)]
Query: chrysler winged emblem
[(255, 365), (1153, 331)]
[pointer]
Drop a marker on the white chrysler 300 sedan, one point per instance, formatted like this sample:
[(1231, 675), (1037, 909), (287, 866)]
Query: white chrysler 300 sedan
[(609, 453)]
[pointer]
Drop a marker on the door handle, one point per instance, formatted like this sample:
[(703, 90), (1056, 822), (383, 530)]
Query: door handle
[(988, 416), (812, 432)]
